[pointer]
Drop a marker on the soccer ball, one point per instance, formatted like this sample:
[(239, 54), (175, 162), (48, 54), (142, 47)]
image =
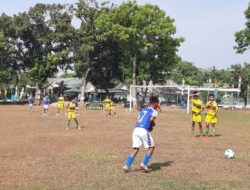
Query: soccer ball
[(229, 154)]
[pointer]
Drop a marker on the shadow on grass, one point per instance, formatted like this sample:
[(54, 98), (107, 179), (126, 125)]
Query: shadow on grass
[(217, 135), (159, 166), (156, 166)]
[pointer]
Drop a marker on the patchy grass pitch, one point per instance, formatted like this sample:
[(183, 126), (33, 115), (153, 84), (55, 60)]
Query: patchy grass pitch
[(37, 152)]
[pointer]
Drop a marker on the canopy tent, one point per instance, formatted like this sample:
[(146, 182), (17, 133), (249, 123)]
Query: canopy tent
[(73, 90), (71, 83)]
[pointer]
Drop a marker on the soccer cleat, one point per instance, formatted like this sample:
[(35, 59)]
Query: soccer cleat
[(145, 168), (126, 169)]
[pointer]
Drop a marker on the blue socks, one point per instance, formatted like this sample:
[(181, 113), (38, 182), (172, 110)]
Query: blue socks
[(146, 159), (130, 161)]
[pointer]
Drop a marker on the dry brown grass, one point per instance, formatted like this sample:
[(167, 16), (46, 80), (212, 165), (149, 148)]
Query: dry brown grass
[(37, 152)]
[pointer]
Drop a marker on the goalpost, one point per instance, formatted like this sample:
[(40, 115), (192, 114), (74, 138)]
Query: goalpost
[(159, 90)]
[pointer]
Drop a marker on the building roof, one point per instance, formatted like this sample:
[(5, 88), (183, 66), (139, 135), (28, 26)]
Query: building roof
[(72, 83)]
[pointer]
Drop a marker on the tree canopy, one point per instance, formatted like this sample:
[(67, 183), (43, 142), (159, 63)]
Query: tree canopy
[(130, 43), (242, 37)]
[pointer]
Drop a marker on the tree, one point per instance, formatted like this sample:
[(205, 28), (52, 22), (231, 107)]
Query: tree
[(10, 67), (241, 76), (188, 72), (106, 72), (146, 37), (242, 37), (85, 42), (245, 82), (43, 36), (5, 69)]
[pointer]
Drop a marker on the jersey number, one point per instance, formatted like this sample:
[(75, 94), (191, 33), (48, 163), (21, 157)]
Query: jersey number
[(142, 117)]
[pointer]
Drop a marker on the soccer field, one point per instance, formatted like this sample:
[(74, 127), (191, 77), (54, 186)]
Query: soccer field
[(37, 152)]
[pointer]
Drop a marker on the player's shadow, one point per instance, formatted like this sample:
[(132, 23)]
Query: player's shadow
[(216, 135), (159, 166)]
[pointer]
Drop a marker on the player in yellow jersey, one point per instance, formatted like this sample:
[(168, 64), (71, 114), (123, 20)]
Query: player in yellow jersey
[(197, 109), (108, 106), (71, 108), (211, 118), (60, 104)]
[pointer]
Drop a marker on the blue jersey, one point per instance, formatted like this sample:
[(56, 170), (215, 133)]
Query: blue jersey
[(46, 101), (76, 103), (144, 118), (31, 101)]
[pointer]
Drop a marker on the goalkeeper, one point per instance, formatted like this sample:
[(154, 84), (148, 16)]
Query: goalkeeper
[(142, 135)]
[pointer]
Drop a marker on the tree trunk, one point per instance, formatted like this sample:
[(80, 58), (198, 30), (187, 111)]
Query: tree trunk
[(134, 91), (145, 92), (17, 93), (38, 94), (247, 95), (84, 84), (134, 69)]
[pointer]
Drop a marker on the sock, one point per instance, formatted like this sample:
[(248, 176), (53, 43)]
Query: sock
[(213, 131), (200, 132), (76, 123), (146, 159), (130, 161), (68, 123), (206, 131)]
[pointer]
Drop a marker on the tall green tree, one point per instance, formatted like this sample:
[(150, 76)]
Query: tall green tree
[(146, 37), (242, 37), (106, 72), (5, 60), (43, 36), (86, 47), (10, 66)]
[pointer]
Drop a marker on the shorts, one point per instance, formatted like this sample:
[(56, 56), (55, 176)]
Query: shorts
[(197, 118), (71, 115), (31, 105), (211, 119), (60, 106), (46, 106), (108, 108), (142, 137)]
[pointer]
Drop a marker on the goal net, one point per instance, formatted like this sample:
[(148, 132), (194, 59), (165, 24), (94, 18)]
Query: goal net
[(167, 94)]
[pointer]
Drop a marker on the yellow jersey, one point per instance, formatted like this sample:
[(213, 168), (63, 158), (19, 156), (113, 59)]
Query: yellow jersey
[(196, 105), (107, 102), (211, 108), (61, 100), (71, 107)]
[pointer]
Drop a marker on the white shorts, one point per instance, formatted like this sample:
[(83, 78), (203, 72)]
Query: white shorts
[(46, 107), (31, 105), (142, 137)]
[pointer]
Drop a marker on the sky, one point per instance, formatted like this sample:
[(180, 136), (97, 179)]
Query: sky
[(208, 27)]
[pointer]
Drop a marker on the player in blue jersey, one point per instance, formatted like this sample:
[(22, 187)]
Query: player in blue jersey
[(142, 135), (31, 102), (45, 106)]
